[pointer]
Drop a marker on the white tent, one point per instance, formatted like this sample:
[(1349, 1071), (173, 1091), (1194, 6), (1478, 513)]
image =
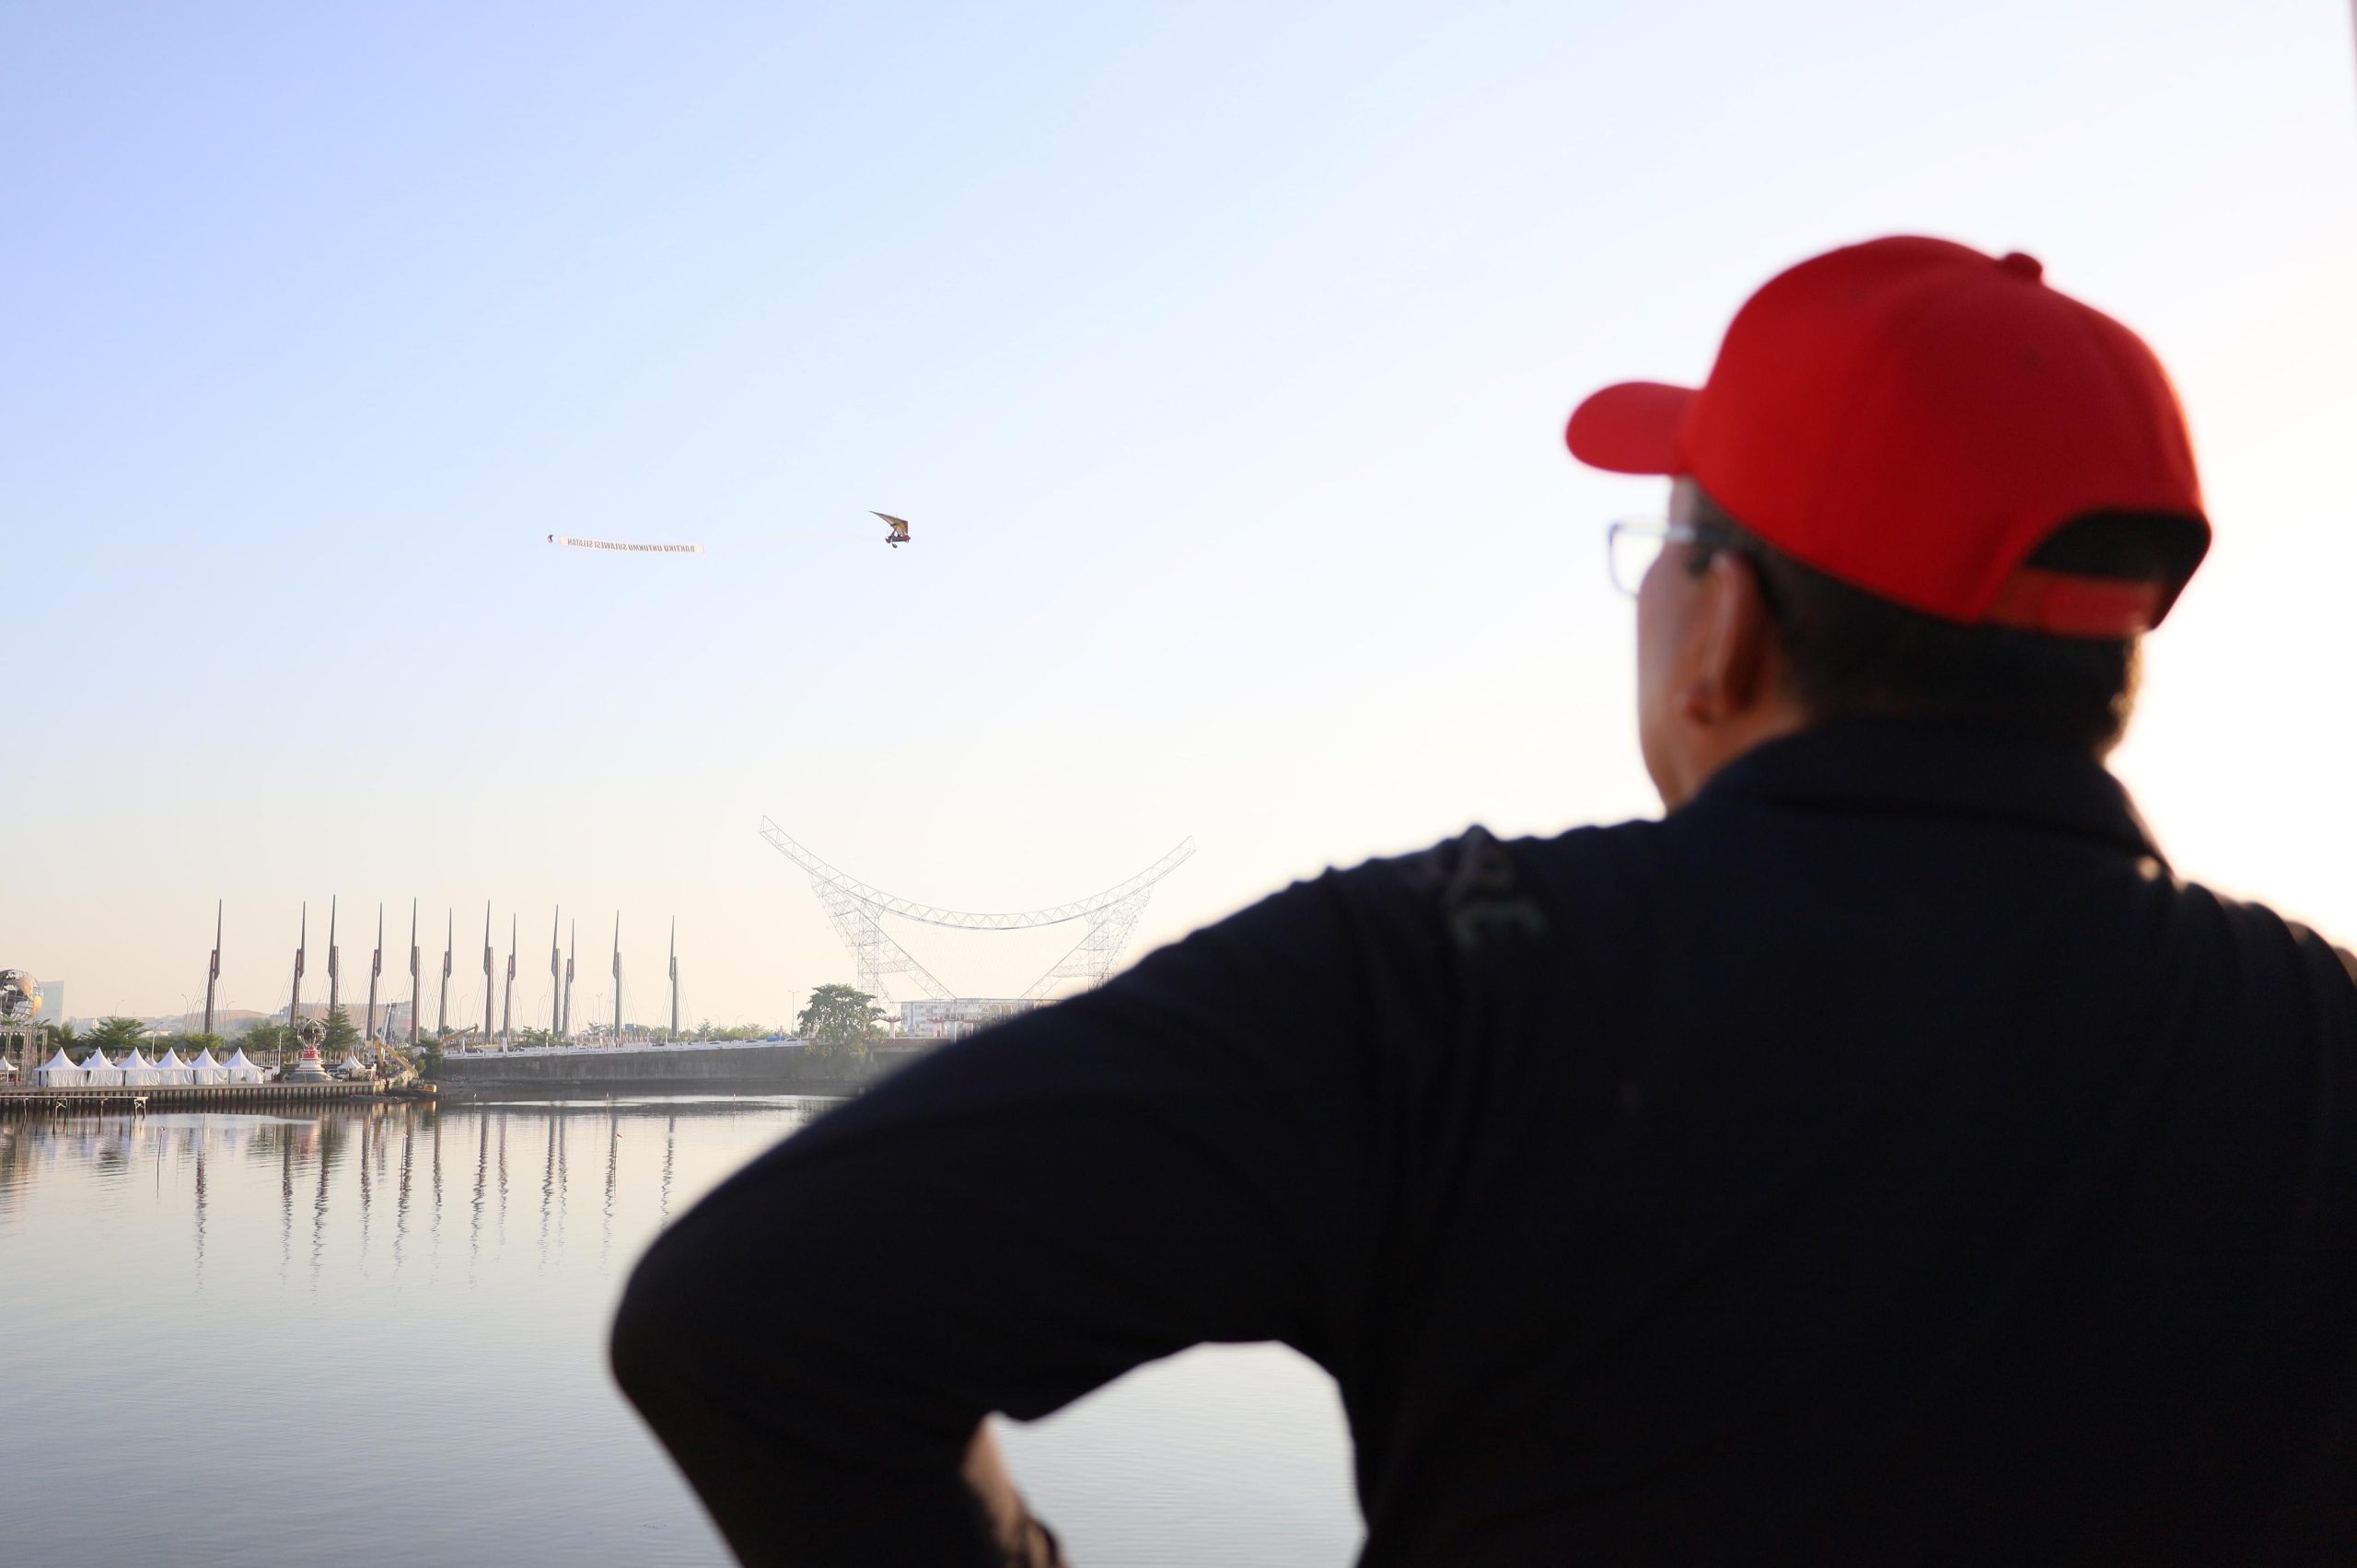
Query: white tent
[(353, 1065), (205, 1070), (59, 1072), (136, 1068), (102, 1071), (241, 1071), (170, 1069)]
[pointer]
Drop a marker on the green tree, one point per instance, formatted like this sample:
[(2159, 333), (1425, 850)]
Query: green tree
[(342, 1036), (268, 1036), (735, 1031), (840, 1021), (115, 1035), (191, 1046), (60, 1033)]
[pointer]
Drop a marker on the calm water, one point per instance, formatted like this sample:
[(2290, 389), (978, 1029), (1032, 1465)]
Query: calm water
[(376, 1336)]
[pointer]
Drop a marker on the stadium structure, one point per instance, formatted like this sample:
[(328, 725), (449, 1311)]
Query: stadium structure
[(887, 970)]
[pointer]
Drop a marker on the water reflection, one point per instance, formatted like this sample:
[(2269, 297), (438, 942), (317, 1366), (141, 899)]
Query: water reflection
[(614, 1164), (149, 1263), (152, 1261), (341, 1166), (199, 1185)]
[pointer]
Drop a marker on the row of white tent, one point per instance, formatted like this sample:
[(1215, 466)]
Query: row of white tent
[(134, 1069)]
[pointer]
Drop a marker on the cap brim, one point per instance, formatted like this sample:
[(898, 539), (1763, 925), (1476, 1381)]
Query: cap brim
[(1631, 428)]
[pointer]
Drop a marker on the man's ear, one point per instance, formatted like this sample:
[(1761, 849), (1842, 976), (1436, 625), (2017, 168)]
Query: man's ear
[(1735, 652)]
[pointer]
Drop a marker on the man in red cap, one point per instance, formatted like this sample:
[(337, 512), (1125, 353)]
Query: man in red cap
[(1884, 1157)]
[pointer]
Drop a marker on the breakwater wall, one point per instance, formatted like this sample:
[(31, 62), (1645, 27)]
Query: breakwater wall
[(752, 1068)]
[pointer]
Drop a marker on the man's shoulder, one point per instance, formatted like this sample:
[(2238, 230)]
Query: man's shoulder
[(2348, 961), (1479, 888), (2252, 920), (2307, 936)]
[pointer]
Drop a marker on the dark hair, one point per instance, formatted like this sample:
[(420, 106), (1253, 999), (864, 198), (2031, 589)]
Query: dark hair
[(1851, 655)]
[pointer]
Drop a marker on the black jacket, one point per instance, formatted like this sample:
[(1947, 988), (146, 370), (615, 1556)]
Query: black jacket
[(1883, 1158)]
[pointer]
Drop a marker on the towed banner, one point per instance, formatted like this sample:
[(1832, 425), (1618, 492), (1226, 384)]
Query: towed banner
[(573, 543)]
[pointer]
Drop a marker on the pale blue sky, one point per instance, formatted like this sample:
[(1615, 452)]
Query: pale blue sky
[(1218, 354)]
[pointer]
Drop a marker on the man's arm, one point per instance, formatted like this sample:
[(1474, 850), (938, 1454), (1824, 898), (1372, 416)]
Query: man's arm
[(1188, 1154), (1023, 1540)]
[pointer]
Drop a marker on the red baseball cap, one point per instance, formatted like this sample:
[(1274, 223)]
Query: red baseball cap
[(1913, 418)]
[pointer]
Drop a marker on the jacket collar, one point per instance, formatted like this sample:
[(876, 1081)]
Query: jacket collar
[(1930, 767)]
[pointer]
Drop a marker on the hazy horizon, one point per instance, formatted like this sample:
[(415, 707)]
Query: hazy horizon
[(1218, 358)]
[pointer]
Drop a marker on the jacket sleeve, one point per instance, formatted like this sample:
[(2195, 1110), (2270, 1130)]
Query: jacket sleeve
[(1188, 1154)]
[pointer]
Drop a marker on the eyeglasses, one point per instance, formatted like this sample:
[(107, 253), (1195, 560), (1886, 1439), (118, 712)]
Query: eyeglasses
[(1632, 545)]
